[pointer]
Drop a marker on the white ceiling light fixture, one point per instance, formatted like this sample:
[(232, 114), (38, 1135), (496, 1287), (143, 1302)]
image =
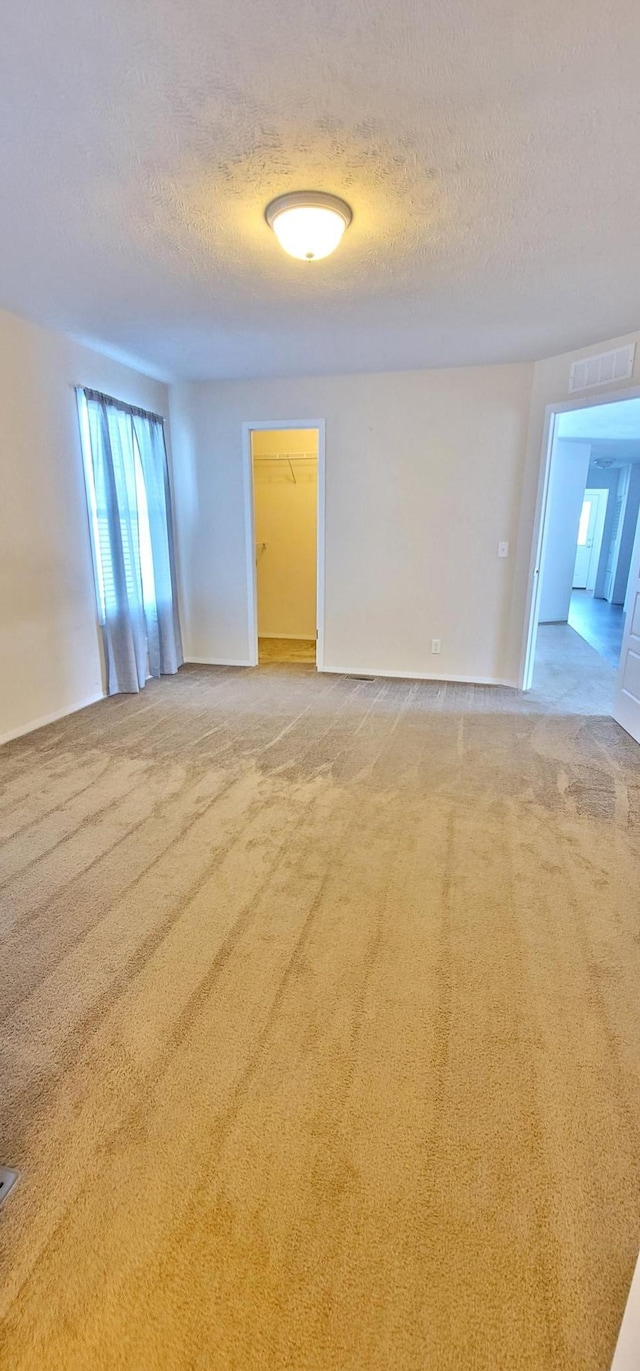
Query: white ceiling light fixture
[(308, 223)]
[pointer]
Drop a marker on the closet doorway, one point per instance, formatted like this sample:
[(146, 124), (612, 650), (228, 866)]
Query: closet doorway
[(284, 464)]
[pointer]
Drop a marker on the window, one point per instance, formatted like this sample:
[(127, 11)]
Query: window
[(128, 502)]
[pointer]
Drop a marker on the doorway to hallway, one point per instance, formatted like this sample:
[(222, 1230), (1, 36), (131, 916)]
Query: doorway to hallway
[(590, 535), (599, 621), (284, 469), (586, 588)]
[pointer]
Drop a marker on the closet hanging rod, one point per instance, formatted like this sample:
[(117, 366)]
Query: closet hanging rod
[(285, 457)]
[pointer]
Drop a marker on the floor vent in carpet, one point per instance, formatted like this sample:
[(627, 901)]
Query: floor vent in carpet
[(8, 1178), (351, 677)]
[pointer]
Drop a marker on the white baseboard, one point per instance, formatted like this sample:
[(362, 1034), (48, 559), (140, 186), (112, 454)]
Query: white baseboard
[(371, 671), (418, 676), (216, 661), (49, 718)]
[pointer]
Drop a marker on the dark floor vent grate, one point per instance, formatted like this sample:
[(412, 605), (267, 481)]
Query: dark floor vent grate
[(8, 1178)]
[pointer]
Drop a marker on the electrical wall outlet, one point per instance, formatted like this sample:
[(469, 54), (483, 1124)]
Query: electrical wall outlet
[(503, 549), (436, 645)]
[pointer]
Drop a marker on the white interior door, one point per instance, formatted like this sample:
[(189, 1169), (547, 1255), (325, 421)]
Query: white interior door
[(626, 707), (586, 535)]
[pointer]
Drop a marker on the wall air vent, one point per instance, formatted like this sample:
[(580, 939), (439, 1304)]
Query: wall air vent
[(603, 369)]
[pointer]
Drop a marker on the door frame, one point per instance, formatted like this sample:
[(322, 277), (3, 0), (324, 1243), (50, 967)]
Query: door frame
[(257, 425), (538, 539)]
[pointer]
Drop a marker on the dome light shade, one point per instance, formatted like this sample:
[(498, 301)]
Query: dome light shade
[(308, 224)]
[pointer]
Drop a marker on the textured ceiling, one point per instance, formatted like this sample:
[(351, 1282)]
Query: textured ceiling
[(489, 150)]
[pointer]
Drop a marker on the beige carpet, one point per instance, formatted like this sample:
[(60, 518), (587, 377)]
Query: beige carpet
[(320, 1028)]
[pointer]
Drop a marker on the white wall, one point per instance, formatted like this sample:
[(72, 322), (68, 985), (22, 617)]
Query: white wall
[(604, 478), (616, 532), (49, 639), (627, 537), (426, 472), (550, 386), (423, 479), (566, 494), (285, 503)]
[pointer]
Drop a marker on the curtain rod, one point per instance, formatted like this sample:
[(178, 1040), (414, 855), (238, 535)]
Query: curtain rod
[(99, 395)]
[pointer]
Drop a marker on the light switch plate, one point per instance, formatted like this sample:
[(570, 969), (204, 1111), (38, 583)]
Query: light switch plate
[(436, 645), (503, 549)]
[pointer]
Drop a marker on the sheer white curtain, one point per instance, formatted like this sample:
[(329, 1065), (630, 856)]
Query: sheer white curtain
[(125, 464)]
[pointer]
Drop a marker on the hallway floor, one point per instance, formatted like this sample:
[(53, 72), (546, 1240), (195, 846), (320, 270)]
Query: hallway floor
[(599, 623), (570, 674)]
